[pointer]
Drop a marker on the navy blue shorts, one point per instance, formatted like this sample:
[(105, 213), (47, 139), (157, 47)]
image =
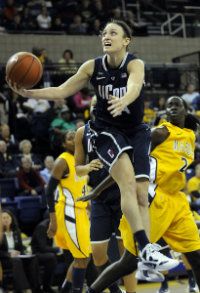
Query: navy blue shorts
[(110, 142), (105, 215)]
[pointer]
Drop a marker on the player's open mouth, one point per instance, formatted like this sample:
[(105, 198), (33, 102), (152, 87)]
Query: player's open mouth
[(107, 44)]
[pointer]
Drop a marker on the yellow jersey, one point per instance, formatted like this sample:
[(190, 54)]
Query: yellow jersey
[(193, 185), (170, 159), (71, 187)]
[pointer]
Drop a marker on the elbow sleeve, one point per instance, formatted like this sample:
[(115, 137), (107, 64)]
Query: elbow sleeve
[(51, 187)]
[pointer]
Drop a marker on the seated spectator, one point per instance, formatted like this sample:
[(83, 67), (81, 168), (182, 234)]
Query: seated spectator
[(44, 19), (9, 11), (25, 270), (8, 165), (95, 27), (160, 105), (37, 106), (190, 94), (82, 100), (77, 27), (44, 58), (196, 104), (17, 24), (25, 148), (30, 181), (46, 172), (86, 10), (58, 25), (11, 142), (59, 126), (99, 11), (149, 113), (42, 246), (193, 187), (67, 62)]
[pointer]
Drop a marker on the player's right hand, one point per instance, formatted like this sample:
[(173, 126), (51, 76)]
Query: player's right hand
[(95, 165), (51, 232), (22, 92)]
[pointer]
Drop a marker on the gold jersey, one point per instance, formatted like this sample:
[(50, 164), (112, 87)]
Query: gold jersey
[(193, 184), (170, 159), (71, 187)]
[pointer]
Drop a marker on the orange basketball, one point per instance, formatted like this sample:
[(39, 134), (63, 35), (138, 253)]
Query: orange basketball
[(24, 69)]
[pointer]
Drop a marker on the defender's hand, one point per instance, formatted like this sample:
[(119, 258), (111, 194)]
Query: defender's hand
[(95, 165), (117, 105)]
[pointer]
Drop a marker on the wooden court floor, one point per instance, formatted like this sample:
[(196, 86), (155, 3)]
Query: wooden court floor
[(179, 286)]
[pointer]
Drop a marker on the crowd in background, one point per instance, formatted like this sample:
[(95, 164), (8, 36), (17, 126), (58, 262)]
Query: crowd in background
[(31, 131), (77, 17)]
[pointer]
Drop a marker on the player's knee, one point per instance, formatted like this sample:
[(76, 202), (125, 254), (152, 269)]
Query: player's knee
[(100, 260), (143, 199), (128, 263), (81, 263), (99, 253)]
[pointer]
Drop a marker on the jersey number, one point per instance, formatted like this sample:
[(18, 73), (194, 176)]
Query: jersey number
[(185, 165)]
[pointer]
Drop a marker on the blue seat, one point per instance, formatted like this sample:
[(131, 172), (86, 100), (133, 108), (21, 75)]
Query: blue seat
[(9, 205), (8, 187), (29, 208)]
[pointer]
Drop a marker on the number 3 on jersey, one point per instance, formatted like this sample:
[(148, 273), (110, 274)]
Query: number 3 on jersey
[(185, 165)]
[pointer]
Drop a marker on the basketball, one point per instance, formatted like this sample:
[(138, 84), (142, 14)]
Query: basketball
[(24, 69)]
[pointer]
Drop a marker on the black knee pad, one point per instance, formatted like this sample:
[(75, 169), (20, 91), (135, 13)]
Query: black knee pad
[(128, 263)]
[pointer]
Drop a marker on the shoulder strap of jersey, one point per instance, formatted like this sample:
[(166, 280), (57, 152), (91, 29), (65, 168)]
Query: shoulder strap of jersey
[(97, 67)]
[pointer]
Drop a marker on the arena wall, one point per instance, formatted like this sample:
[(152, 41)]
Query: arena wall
[(156, 49)]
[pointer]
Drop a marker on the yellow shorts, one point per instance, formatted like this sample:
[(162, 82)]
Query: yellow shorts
[(171, 219), (73, 230), (127, 236)]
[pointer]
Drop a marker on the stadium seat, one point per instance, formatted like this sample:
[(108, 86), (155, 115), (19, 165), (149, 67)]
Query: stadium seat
[(10, 205), (8, 187), (29, 208)]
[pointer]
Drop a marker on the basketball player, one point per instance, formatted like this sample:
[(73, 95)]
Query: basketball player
[(69, 222), (105, 212), (173, 145), (121, 140)]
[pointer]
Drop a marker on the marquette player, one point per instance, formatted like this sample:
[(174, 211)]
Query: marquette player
[(105, 212), (120, 138), (69, 222), (173, 145)]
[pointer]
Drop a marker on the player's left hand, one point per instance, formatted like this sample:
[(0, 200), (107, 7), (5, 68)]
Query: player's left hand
[(51, 232), (117, 105)]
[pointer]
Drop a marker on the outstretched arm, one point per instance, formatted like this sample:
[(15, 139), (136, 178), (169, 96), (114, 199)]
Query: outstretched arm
[(96, 192), (68, 88)]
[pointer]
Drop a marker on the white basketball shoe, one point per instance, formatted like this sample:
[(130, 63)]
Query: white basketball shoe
[(151, 257)]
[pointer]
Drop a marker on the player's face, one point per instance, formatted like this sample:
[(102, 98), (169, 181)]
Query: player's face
[(70, 141), (113, 39), (175, 109)]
